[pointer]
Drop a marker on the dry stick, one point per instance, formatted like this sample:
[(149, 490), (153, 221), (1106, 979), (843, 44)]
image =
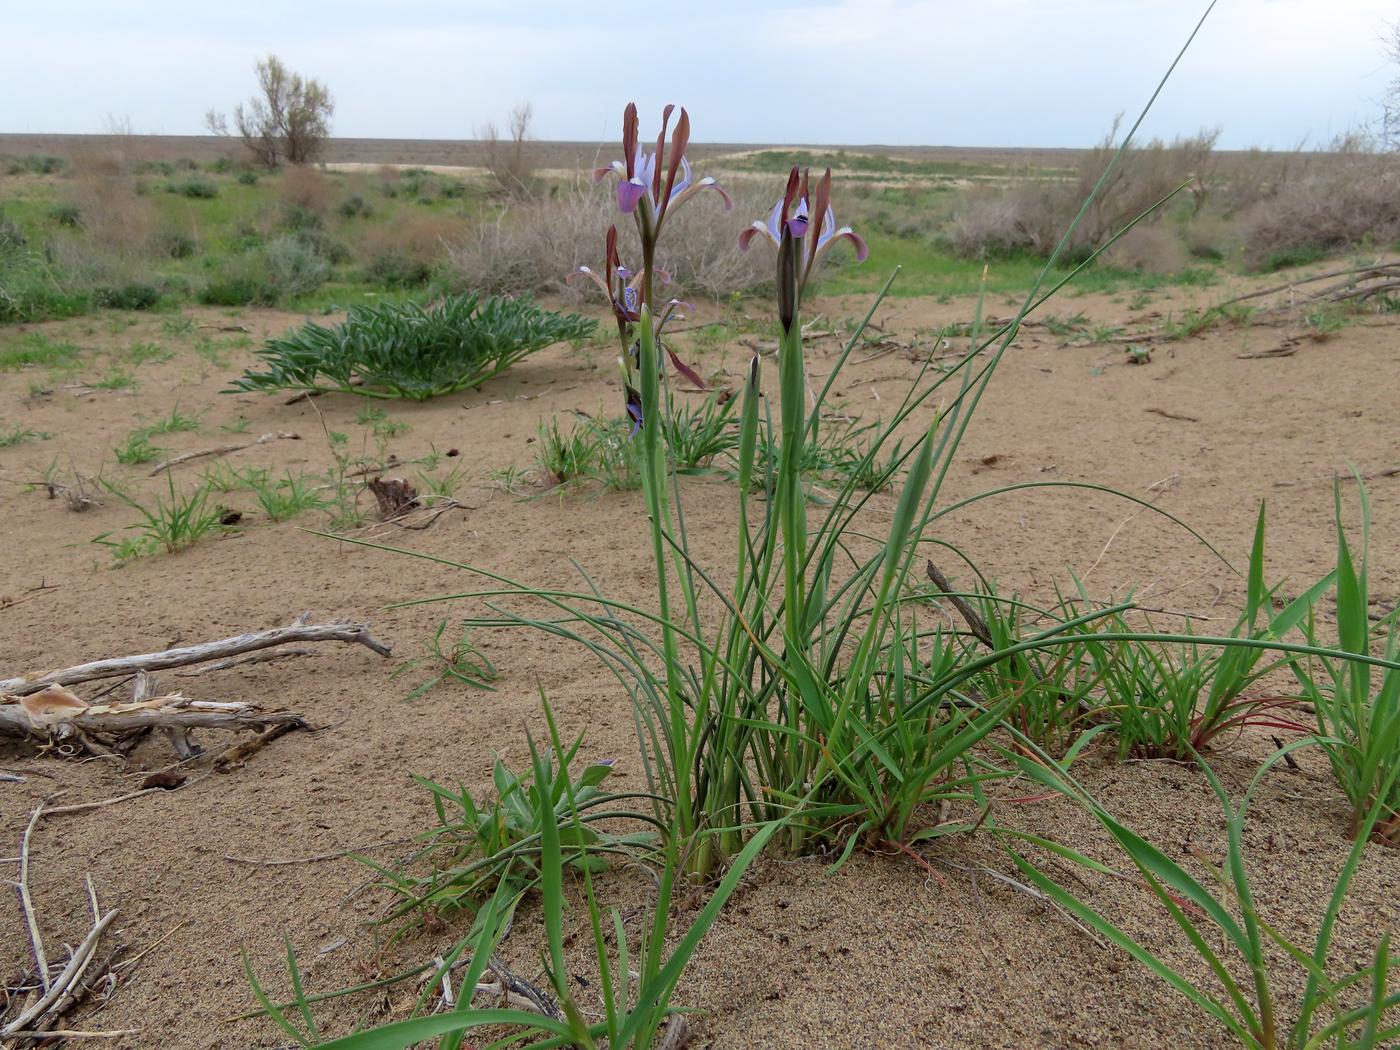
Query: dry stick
[(76, 965), (26, 903), (73, 1033), (975, 623), (1123, 524), (131, 964), (1388, 473), (83, 807), (222, 450), (1307, 280), (236, 756), (195, 654), (1172, 415), (15, 722), (240, 661)]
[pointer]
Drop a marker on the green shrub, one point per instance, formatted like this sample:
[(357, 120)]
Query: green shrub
[(31, 289), (66, 213), (392, 350), (394, 269), (324, 245), (195, 186), (34, 164), (247, 178), (355, 206), (293, 267), (133, 295), (297, 217), (12, 236), (241, 289), (178, 245)]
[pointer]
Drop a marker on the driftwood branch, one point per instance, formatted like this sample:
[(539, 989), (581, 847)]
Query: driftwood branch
[(221, 450), (177, 714), (193, 654)]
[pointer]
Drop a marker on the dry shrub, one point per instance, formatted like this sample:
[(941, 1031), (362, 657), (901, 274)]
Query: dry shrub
[(306, 188), (532, 247), (1341, 200), (115, 219), (1210, 237), (512, 164), (1032, 214), (1148, 249), (408, 252)]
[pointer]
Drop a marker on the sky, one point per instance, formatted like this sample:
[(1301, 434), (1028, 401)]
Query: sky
[(1273, 73)]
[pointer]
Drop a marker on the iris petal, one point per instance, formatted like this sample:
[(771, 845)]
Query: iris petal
[(629, 193)]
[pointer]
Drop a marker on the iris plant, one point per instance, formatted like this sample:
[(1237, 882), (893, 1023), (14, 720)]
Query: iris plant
[(650, 186)]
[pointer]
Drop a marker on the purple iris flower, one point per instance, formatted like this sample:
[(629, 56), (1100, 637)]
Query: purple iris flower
[(641, 175), (798, 224)]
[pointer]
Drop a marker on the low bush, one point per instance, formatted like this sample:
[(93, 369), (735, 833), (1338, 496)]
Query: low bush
[(66, 213), (532, 247), (132, 295), (34, 164), (407, 254), (178, 245), (1031, 214), (307, 189), (196, 187), (32, 289), (389, 350), (12, 236), (282, 269), (1351, 201), (355, 206), (238, 289)]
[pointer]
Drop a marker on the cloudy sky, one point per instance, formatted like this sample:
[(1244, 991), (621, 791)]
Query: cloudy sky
[(932, 72)]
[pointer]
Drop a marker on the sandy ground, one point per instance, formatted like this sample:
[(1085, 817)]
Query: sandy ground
[(878, 954)]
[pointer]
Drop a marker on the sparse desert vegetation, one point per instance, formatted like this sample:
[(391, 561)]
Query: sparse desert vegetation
[(965, 615)]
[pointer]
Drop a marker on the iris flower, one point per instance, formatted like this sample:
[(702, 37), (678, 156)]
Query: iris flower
[(803, 228), (799, 223), (654, 180)]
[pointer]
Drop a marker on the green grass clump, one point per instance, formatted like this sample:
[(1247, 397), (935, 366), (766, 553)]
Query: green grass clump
[(196, 187), (168, 525), (1357, 704), (286, 497), (137, 449), (132, 295), (13, 436), (407, 351), (35, 349), (173, 422)]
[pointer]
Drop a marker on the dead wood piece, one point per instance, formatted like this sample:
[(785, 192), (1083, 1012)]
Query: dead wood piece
[(1287, 348), (395, 497), (975, 623), (1390, 472), (1172, 415), (195, 654), (222, 450), (240, 661), (237, 755), (16, 722)]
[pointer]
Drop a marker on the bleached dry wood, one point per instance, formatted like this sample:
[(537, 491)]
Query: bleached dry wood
[(15, 721), (26, 903), (194, 654), (65, 981), (240, 661), (222, 450)]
